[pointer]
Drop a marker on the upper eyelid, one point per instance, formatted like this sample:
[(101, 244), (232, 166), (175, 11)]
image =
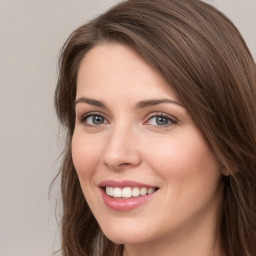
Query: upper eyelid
[(147, 117), (83, 121), (91, 113), (172, 119), (153, 114)]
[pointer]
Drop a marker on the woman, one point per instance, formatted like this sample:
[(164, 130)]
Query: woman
[(158, 99)]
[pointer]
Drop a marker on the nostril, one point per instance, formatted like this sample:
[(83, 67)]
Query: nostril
[(124, 164), (119, 165)]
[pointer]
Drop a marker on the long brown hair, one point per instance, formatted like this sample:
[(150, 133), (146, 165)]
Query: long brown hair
[(207, 64)]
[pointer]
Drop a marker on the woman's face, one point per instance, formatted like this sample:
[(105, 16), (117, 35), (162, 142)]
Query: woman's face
[(135, 140)]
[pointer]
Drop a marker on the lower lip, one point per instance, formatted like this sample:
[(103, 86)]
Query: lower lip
[(125, 204)]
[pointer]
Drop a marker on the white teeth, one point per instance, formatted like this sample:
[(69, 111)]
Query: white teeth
[(117, 192), (111, 191), (143, 191), (151, 190), (128, 192), (135, 192)]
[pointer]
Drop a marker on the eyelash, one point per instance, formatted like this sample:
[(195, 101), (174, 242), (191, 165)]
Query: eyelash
[(92, 114), (171, 120)]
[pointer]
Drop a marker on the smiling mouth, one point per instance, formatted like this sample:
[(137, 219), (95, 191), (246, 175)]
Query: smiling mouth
[(128, 192)]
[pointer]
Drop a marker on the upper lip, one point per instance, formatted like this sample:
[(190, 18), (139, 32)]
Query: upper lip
[(123, 184)]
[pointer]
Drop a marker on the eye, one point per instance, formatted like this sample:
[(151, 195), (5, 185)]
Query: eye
[(161, 120), (93, 119)]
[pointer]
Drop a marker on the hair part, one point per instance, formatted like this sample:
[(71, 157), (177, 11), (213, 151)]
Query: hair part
[(206, 63)]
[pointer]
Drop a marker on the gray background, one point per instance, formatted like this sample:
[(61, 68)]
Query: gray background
[(31, 35)]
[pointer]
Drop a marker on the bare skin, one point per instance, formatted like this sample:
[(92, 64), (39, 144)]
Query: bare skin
[(130, 126)]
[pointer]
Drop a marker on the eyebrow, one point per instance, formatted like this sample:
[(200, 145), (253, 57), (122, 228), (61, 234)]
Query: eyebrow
[(89, 101), (139, 105), (148, 103)]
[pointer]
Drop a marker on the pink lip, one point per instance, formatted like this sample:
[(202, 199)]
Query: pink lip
[(124, 204), (123, 184)]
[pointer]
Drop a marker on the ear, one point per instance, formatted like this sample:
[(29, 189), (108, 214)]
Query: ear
[(225, 171), (228, 169)]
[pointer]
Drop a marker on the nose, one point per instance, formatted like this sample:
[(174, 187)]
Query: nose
[(121, 151)]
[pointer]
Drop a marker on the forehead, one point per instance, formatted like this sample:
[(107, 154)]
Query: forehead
[(118, 68), (111, 58)]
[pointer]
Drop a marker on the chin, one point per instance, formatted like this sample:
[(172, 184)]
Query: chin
[(125, 238), (126, 234)]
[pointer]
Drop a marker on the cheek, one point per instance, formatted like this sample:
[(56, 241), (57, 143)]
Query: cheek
[(85, 154), (185, 160)]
